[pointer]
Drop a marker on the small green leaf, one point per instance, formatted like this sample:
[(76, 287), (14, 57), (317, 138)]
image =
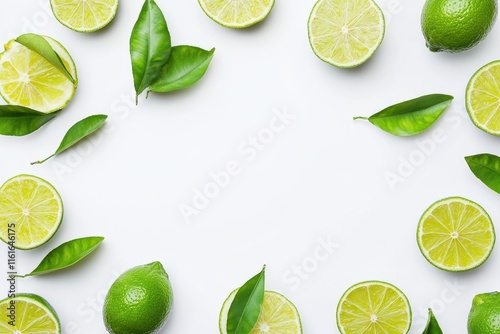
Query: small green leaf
[(77, 132), (150, 46), (245, 308), (432, 325), (21, 121), (186, 65), (40, 45), (66, 255), (486, 167), (411, 117)]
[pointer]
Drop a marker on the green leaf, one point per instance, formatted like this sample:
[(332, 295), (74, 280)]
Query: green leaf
[(40, 45), (150, 46), (186, 65), (245, 308), (21, 121), (432, 325), (66, 255), (486, 167), (411, 117), (77, 132)]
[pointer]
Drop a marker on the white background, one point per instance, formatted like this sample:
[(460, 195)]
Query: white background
[(322, 179)]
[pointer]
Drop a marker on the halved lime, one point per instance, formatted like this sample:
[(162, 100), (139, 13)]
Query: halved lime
[(278, 315), (237, 13), (84, 15), (31, 211), (373, 307), (30, 314), (456, 234), (29, 80), (346, 33), (482, 98)]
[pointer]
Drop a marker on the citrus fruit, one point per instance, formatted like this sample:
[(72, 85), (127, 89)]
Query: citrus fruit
[(278, 315), (84, 15), (237, 13), (373, 307), (484, 315), (483, 98), (455, 234), (31, 211), (28, 313), (457, 25), (346, 33), (139, 301), (27, 79)]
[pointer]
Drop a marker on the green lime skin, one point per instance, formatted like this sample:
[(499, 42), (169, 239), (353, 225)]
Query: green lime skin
[(139, 301), (457, 25), (484, 316)]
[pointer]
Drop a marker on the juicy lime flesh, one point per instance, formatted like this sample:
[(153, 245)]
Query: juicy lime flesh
[(34, 206), (84, 15), (483, 98), (373, 307), (31, 316), (237, 13), (346, 33), (456, 234)]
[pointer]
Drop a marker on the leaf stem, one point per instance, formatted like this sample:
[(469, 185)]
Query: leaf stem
[(39, 162), (360, 117)]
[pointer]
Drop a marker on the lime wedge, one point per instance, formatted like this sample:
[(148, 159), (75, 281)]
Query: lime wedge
[(278, 315), (84, 15), (32, 314), (31, 211), (237, 13), (456, 234), (346, 33), (373, 307), (483, 98)]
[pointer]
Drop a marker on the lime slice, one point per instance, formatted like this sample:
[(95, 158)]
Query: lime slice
[(456, 234), (346, 33), (373, 307), (237, 13), (31, 211), (278, 315), (84, 15), (32, 314), (483, 98), (29, 80)]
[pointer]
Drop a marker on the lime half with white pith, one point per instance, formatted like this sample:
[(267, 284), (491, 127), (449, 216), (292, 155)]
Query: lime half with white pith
[(237, 13)]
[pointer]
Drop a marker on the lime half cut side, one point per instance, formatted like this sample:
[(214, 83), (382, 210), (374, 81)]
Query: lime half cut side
[(373, 307), (346, 33), (456, 234), (237, 13), (84, 15)]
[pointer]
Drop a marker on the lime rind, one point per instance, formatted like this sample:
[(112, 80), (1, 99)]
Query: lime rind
[(237, 25), (77, 3)]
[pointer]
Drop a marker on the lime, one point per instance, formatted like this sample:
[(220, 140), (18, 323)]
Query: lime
[(237, 13), (455, 234), (483, 98), (278, 315), (373, 307), (346, 33), (29, 80), (84, 15), (31, 211), (484, 316), (139, 301), (454, 26), (28, 313)]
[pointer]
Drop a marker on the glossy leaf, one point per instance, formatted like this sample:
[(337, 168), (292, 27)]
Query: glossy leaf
[(77, 132), (40, 45), (411, 117), (21, 121), (185, 66), (66, 255), (245, 308), (432, 325), (486, 167), (150, 46)]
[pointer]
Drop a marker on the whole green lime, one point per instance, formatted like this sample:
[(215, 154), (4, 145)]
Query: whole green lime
[(139, 301), (457, 25), (484, 316)]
